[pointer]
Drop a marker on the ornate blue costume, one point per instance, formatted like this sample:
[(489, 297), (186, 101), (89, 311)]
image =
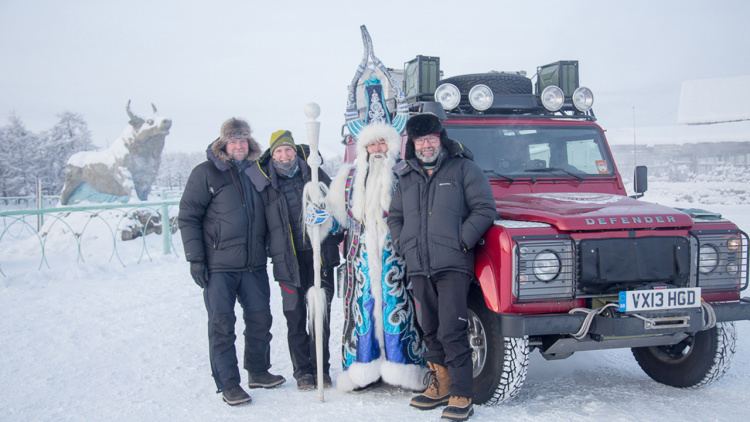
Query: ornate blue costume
[(381, 338)]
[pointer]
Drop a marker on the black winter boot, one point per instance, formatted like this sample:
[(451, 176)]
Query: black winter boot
[(264, 380), (327, 383), (235, 395), (306, 382), (458, 409)]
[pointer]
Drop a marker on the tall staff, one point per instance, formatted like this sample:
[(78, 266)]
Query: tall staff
[(316, 296)]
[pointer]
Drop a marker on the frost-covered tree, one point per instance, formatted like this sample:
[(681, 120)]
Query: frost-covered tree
[(20, 160), (332, 164), (68, 136), (176, 167)]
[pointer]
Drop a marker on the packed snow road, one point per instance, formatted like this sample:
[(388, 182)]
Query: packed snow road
[(106, 343)]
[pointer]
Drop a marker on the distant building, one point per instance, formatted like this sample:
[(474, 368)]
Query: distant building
[(713, 136)]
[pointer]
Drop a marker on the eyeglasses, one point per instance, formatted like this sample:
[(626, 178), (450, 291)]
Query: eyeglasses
[(431, 139)]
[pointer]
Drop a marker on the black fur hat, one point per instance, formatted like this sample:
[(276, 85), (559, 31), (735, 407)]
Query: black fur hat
[(423, 124)]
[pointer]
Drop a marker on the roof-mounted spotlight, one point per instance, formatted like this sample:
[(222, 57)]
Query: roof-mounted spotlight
[(553, 98)]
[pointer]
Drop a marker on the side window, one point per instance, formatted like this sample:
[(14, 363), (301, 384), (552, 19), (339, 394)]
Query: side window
[(586, 156), (539, 155)]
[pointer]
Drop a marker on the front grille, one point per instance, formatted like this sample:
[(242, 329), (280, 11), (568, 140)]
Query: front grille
[(720, 259), (610, 265), (534, 273)]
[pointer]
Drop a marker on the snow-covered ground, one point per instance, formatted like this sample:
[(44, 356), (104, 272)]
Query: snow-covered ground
[(99, 342)]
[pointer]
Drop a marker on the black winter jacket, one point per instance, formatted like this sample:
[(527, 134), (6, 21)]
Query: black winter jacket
[(436, 221), (219, 224), (280, 236)]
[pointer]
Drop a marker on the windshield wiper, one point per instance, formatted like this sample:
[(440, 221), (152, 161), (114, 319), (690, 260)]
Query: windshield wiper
[(496, 174), (551, 169)]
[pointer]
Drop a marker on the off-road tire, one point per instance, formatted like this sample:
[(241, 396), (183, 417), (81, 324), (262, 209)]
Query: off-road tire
[(500, 83), (507, 358), (693, 363)]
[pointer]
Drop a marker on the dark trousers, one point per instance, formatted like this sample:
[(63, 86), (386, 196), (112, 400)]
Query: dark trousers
[(293, 299), (252, 291), (442, 313)]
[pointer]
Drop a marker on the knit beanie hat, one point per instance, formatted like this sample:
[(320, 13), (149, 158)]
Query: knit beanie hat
[(235, 128), (279, 138)]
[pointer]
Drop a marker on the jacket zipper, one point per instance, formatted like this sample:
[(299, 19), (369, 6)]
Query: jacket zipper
[(426, 224), (238, 185)]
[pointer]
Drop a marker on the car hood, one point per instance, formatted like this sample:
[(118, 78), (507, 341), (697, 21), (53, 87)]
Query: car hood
[(578, 211)]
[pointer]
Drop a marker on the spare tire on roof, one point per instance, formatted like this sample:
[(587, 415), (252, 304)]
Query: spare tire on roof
[(500, 83)]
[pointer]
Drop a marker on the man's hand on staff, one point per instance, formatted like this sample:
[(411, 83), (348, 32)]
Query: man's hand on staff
[(316, 215)]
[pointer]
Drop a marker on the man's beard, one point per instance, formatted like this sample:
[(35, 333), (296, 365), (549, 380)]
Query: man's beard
[(376, 156), (288, 168), (238, 155), (428, 160), (376, 169)]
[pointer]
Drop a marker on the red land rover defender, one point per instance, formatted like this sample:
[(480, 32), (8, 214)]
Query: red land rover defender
[(573, 263)]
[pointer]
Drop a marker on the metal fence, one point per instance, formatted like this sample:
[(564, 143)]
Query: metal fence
[(70, 228), (26, 202)]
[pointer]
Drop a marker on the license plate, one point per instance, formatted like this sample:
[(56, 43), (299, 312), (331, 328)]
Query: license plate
[(657, 300)]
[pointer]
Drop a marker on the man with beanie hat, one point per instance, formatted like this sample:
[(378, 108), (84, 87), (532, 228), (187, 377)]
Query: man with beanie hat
[(441, 208), (223, 226), (279, 177)]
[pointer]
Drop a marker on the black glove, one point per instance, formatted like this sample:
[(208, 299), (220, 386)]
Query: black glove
[(199, 272)]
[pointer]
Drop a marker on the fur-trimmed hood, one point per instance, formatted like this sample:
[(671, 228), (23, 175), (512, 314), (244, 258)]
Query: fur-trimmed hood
[(216, 152)]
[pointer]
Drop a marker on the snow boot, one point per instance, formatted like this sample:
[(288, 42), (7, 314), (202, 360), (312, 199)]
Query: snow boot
[(235, 395), (264, 379), (458, 409), (306, 382), (438, 389)]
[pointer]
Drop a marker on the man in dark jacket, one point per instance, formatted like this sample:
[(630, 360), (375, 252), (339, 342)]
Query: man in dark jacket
[(440, 210), (280, 176), (223, 227)]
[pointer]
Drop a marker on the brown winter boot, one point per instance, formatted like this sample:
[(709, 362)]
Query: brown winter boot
[(437, 391), (458, 409)]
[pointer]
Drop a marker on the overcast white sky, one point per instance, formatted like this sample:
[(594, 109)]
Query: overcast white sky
[(202, 62)]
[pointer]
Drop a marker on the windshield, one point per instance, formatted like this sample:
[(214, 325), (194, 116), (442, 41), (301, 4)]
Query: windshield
[(536, 151)]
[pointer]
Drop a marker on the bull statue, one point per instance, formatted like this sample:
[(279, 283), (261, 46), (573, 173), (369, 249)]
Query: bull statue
[(130, 164)]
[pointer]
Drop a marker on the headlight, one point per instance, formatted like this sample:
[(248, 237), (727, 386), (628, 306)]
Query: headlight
[(543, 269), (481, 97), (553, 98), (709, 259), (734, 244), (546, 266), (721, 260), (448, 96), (583, 99)]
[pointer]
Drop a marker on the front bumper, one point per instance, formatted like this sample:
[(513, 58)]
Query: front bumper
[(619, 325)]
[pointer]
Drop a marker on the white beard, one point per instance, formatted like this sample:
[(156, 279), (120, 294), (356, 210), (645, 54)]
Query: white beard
[(377, 199)]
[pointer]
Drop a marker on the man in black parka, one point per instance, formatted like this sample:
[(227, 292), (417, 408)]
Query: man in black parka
[(223, 226), (280, 176), (441, 208)]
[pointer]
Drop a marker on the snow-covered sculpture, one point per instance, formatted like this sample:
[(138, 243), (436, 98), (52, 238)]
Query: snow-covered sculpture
[(129, 164)]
